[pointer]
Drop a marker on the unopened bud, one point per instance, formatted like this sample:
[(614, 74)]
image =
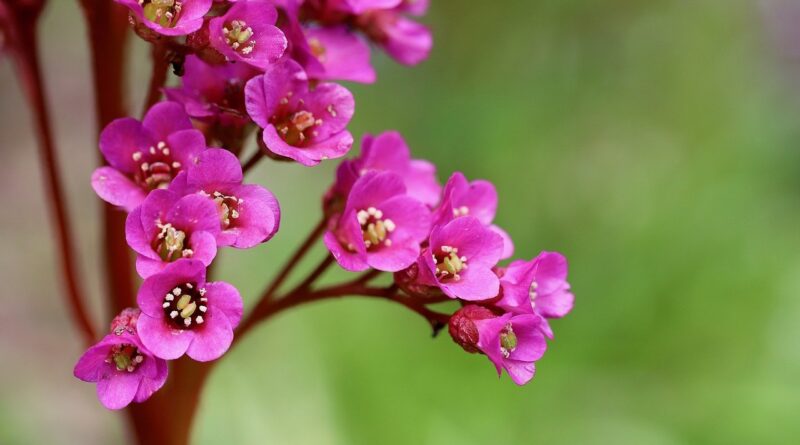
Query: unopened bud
[(462, 326)]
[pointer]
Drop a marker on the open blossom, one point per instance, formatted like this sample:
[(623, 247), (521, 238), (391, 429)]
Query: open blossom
[(168, 227), (537, 286), (512, 342), (477, 198), (122, 367), (182, 314), (304, 124), (246, 33), (146, 155), (389, 152), (459, 260), (381, 227), (342, 55), (213, 93), (405, 40), (169, 17), (248, 213)]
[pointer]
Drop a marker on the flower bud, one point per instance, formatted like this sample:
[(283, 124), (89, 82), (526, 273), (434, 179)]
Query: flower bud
[(406, 279), (462, 326), (125, 321)]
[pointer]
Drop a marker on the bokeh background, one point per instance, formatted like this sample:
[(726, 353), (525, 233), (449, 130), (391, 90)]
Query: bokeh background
[(655, 143)]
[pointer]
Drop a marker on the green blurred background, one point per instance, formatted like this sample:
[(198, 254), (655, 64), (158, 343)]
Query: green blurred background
[(655, 143)]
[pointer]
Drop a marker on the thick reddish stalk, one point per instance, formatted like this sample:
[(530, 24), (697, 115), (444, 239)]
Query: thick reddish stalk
[(30, 73), (158, 77)]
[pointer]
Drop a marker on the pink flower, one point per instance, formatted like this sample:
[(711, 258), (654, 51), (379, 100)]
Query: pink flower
[(213, 93), (182, 314), (406, 41), (246, 33), (248, 214), (169, 17), (342, 55), (460, 258), (381, 227), (168, 227), (538, 286), (476, 198), (145, 155), (123, 369), (512, 342), (389, 152), (307, 125)]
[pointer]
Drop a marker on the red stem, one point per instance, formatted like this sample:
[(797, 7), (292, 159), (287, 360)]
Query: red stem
[(158, 77), (30, 72)]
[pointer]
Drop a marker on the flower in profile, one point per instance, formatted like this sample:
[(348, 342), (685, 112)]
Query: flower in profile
[(213, 93), (307, 125), (389, 152), (342, 55), (381, 227), (459, 260), (122, 367), (247, 33), (477, 198), (182, 314), (512, 342), (248, 213), (537, 286), (405, 40), (169, 17), (168, 227), (146, 155)]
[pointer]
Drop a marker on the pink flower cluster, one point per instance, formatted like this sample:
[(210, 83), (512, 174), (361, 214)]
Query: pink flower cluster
[(269, 66), (388, 212)]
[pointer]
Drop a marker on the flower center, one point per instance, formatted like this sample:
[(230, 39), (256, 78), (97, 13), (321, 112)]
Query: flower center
[(125, 357), (239, 36), (317, 49), (375, 229), (295, 128), (162, 12), (185, 306), (461, 211), (170, 242), (448, 263), (156, 167), (508, 341), (228, 208)]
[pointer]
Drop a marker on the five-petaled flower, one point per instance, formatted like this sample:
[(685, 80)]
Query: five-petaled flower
[(301, 123), (123, 369), (248, 213), (514, 343), (168, 227), (146, 155), (169, 17), (247, 33), (182, 314), (381, 227)]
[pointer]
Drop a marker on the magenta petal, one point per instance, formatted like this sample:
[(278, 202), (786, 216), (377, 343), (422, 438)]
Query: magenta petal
[(162, 340), (194, 213), (120, 139), (138, 239), (409, 215), (521, 372), (117, 189), (90, 366), (118, 390), (477, 283), (212, 340), (204, 247), (345, 56), (332, 148), (408, 42), (508, 243), (165, 118), (334, 104), (349, 229), (226, 298), (259, 217), (479, 244), (374, 188), (403, 252), (149, 386), (186, 146), (146, 267), (216, 166)]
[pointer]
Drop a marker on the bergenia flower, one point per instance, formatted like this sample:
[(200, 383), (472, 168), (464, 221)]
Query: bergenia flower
[(123, 368), (168, 227), (146, 155), (537, 286), (182, 314), (213, 93), (405, 40), (248, 214), (389, 152), (477, 198), (514, 343), (169, 17), (381, 227), (342, 55), (459, 260), (307, 125), (247, 33)]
